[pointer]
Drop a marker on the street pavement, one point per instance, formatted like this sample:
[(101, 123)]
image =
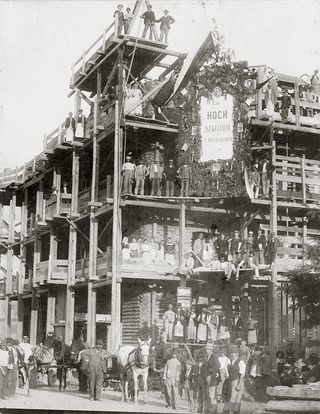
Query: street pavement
[(44, 398)]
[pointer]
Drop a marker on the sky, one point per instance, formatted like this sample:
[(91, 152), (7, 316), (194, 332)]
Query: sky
[(39, 41)]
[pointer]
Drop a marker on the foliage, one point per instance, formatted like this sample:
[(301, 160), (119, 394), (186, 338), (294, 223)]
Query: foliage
[(215, 69), (304, 286)]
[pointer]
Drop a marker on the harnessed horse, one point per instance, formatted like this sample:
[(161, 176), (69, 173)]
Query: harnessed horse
[(137, 360)]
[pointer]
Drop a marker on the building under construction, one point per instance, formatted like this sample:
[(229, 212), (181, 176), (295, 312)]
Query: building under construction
[(63, 216)]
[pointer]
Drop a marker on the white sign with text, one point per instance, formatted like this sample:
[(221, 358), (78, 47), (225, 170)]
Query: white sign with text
[(217, 128)]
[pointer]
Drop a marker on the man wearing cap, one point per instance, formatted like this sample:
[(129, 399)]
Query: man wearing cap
[(171, 376), (149, 19), (127, 175), (169, 317), (119, 14), (170, 175), (156, 171), (165, 22), (96, 368), (261, 245), (4, 361), (83, 362), (237, 370), (49, 340), (12, 373)]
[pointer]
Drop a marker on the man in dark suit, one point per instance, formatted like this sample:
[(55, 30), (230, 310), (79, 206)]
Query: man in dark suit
[(70, 127), (149, 20), (165, 22)]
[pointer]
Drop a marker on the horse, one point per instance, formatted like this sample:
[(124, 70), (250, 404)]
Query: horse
[(135, 359)]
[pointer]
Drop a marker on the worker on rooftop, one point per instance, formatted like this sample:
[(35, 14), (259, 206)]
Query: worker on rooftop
[(149, 20), (165, 22), (119, 14)]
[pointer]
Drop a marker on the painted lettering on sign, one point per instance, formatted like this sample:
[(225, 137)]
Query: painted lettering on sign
[(217, 128)]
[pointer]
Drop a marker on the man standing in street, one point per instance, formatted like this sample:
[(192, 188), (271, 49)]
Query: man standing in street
[(237, 370), (83, 362), (210, 372), (171, 378), (165, 22), (96, 368), (4, 360)]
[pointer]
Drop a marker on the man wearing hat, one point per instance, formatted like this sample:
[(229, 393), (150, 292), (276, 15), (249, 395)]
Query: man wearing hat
[(83, 362), (210, 374), (235, 246), (165, 22), (12, 372), (170, 175), (169, 318), (237, 370), (4, 361), (127, 175), (140, 173), (96, 368), (171, 376), (149, 19), (49, 340)]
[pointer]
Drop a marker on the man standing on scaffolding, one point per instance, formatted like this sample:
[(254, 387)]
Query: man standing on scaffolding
[(149, 19), (165, 22)]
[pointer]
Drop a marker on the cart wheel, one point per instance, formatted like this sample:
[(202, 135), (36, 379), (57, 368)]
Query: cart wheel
[(52, 378)]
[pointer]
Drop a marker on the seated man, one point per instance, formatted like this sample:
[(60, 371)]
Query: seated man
[(314, 373)]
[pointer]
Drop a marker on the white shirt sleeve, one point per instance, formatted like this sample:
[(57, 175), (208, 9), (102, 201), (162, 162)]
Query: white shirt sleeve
[(242, 368)]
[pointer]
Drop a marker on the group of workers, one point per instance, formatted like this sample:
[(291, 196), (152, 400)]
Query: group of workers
[(149, 19), (213, 378)]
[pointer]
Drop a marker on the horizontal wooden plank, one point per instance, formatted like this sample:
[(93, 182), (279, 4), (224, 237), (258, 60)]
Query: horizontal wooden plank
[(297, 160), (297, 393), (293, 406), (295, 179), (291, 251), (297, 195)]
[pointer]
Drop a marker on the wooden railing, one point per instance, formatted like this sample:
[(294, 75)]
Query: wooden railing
[(298, 179), (57, 205), (98, 45), (82, 267), (304, 111), (59, 271)]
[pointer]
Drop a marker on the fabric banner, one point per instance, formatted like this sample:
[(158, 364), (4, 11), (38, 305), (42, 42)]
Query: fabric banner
[(217, 127)]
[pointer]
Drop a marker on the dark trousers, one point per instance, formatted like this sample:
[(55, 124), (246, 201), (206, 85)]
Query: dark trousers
[(95, 384), (83, 381), (14, 380), (8, 383), (155, 187), (169, 188), (184, 187)]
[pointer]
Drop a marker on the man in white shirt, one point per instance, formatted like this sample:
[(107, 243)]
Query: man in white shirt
[(27, 348), (4, 360), (171, 378), (224, 374), (237, 370), (127, 176), (169, 318)]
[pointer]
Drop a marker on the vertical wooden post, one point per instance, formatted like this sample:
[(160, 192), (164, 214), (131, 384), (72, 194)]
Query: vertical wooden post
[(274, 317), (182, 236), (53, 249), (91, 312), (72, 255), (303, 179), (51, 307), (36, 258), (296, 101), (34, 318), (20, 317), (83, 64), (22, 265), (304, 238), (116, 228), (58, 189), (99, 83), (259, 95)]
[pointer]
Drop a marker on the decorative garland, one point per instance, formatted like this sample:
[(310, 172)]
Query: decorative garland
[(215, 69)]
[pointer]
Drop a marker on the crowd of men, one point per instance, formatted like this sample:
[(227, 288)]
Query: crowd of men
[(159, 178)]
